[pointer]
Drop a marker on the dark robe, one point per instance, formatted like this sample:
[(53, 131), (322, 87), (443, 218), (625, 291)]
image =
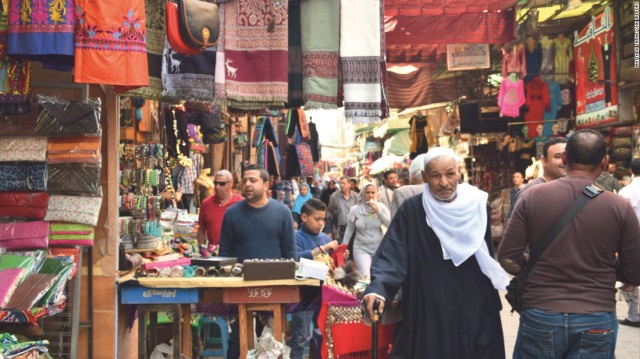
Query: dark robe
[(449, 312)]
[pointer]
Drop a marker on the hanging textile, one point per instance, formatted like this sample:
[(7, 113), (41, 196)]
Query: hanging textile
[(360, 59), (155, 11), (188, 77), (42, 30), (256, 54), (320, 44), (419, 88), (513, 60), (537, 102), (421, 135), (295, 55), (14, 75), (111, 43), (511, 97), (555, 104), (314, 142), (221, 89)]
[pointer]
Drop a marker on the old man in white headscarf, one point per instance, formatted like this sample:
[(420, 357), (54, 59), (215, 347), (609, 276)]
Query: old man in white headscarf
[(438, 248)]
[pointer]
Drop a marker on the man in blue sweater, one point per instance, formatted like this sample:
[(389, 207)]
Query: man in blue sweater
[(257, 227), (310, 241)]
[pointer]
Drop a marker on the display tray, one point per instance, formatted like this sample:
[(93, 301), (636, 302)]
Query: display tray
[(269, 270), (214, 261)]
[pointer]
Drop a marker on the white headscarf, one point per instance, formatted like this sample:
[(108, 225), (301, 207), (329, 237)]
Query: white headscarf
[(461, 224), (363, 209)]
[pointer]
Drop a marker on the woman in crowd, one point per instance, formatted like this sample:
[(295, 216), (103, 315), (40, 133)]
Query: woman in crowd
[(327, 192), (301, 199), (366, 219)]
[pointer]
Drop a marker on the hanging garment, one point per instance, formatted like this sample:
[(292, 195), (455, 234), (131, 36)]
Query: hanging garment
[(537, 102), (511, 97), (563, 50), (111, 43), (533, 62), (547, 66), (419, 142), (314, 142), (418, 88), (360, 59), (555, 104), (568, 100), (42, 30), (14, 75), (320, 44), (513, 60), (188, 77), (295, 55), (256, 54), (220, 78), (155, 12)]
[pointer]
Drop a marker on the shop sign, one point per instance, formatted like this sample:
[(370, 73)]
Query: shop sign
[(594, 55), (468, 56)]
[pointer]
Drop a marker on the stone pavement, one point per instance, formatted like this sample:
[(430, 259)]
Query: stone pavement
[(628, 343)]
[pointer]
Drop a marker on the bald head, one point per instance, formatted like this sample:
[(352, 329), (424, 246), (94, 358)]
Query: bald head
[(587, 148)]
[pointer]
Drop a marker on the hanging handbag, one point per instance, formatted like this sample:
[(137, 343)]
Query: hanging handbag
[(199, 23), (74, 179), (305, 160), (173, 32), (23, 149), (60, 118), (515, 289), (23, 176), (24, 235), (24, 204), (74, 209)]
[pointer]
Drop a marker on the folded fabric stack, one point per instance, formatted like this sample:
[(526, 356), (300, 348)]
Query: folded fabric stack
[(12, 348), (62, 270), (24, 149), (9, 280), (34, 287), (74, 150), (70, 234)]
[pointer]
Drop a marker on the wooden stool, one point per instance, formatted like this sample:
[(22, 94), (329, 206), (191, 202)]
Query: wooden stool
[(245, 318), (181, 333)]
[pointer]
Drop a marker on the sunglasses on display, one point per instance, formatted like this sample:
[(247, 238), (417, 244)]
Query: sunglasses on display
[(221, 184)]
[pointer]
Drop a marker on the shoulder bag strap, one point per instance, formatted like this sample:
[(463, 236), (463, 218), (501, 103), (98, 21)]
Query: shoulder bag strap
[(589, 192)]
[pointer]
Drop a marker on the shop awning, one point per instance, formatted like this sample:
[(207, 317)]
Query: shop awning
[(418, 88), (439, 7), (398, 144), (445, 27)]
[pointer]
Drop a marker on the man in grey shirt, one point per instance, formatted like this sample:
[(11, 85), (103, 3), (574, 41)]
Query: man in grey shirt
[(551, 163), (339, 205), (410, 190)]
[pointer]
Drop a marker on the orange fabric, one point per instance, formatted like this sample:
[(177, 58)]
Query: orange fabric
[(110, 43), (304, 124), (74, 158), (73, 145)]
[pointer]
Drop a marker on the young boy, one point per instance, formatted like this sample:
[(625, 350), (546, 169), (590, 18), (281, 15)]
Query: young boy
[(310, 241)]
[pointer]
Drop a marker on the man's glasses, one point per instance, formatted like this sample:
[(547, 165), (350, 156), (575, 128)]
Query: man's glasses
[(221, 184)]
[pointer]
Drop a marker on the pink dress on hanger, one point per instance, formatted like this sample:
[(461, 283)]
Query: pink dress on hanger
[(511, 97)]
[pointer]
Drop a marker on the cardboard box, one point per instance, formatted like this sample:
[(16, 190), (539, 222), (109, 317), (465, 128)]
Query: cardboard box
[(313, 269)]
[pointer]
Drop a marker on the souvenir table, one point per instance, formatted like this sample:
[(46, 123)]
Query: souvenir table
[(250, 296)]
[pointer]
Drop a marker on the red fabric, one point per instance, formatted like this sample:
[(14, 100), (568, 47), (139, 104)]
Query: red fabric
[(438, 7), (211, 214), (418, 88), (354, 337), (538, 102), (490, 27), (24, 204)]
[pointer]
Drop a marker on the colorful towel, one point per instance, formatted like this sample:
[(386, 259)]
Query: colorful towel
[(44, 31), (9, 279), (360, 59), (188, 77), (295, 56), (256, 53), (320, 44), (111, 43), (154, 10)]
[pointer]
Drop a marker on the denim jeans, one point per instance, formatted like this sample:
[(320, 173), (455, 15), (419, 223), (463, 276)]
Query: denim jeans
[(545, 335), (300, 322)]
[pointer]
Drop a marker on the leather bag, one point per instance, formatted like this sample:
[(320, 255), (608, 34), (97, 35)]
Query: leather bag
[(23, 176), (24, 235), (63, 118), (199, 23), (74, 179), (24, 204), (173, 31)]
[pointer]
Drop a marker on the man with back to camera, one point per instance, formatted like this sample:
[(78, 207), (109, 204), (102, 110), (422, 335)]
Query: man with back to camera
[(409, 190), (569, 299), (439, 249), (340, 203), (630, 292), (386, 190), (213, 208), (257, 227), (551, 163)]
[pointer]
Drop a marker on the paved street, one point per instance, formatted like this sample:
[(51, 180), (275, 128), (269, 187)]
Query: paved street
[(627, 347)]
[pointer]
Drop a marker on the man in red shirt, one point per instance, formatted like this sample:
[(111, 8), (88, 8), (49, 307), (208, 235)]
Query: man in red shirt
[(213, 208)]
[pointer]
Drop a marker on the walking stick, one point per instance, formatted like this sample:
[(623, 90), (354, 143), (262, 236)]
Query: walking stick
[(374, 329)]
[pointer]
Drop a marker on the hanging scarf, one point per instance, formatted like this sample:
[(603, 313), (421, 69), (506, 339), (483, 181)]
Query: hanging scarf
[(221, 87), (320, 45), (461, 224), (188, 77), (256, 54), (363, 209), (295, 55), (360, 59), (301, 200)]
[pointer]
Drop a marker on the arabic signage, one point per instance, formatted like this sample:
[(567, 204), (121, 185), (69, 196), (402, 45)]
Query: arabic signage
[(595, 62), (467, 56)]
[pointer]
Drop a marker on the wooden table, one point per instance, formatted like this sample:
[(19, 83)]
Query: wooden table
[(251, 296)]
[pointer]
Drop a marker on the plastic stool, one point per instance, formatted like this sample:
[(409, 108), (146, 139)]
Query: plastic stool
[(208, 341)]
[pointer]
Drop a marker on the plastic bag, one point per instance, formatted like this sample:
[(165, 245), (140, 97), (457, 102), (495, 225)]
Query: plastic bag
[(268, 347)]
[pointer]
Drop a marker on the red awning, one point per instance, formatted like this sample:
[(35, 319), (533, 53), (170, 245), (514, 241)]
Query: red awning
[(440, 7)]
